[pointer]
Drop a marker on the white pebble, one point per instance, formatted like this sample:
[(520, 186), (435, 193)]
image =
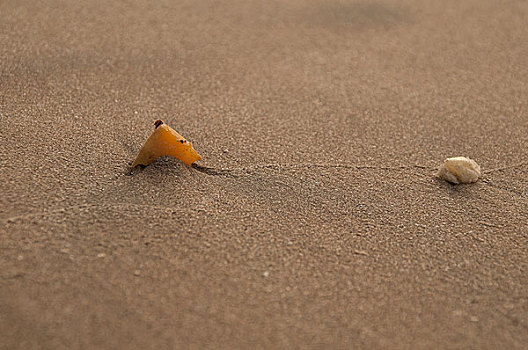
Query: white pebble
[(459, 170)]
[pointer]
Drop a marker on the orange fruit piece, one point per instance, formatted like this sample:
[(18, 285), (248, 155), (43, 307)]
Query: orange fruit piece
[(165, 141)]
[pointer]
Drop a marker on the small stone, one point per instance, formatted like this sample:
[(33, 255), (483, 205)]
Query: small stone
[(265, 274), (137, 273), (101, 255), (474, 319), (459, 170)]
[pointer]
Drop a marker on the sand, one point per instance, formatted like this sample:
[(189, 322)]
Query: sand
[(316, 220)]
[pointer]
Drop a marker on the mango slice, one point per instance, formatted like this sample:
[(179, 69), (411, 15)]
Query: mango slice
[(165, 141)]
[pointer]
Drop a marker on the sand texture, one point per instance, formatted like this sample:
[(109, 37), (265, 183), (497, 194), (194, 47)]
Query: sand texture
[(315, 219)]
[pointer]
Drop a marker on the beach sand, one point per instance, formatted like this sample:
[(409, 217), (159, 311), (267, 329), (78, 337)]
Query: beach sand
[(320, 222)]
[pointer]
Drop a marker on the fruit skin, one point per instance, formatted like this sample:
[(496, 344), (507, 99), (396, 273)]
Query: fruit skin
[(165, 141)]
